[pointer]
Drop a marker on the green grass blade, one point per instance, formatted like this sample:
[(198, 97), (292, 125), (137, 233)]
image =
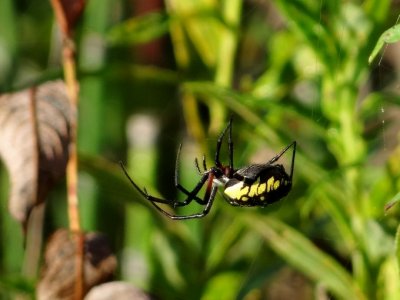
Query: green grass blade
[(397, 246), (308, 24), (301, 253)]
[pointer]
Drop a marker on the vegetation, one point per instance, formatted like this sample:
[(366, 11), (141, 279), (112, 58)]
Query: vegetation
[(285, 70)]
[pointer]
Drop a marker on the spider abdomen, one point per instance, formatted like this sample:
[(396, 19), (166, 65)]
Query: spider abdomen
[(269, 184)]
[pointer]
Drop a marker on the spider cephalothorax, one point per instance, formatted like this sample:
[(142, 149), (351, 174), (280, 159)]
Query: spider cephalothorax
[(254, 185)]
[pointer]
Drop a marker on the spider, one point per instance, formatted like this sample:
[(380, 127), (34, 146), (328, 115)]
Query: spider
[(254, 185)]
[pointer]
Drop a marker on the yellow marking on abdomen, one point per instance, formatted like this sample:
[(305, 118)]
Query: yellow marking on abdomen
[(236, 191), (253, 190), (270, 184), (261, 188), (276, 184)]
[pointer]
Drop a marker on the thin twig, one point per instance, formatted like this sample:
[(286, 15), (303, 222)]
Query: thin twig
[(72, 166), (69, 66)]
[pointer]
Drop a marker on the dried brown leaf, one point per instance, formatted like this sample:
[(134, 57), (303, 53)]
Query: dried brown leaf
[(117, 290), (34, 138), (59, 273)]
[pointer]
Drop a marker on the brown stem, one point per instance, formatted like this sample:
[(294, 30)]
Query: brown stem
[(72, 166), (69, 66)]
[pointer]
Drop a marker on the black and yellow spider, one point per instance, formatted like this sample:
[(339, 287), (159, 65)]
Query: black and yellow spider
[(254, 185)]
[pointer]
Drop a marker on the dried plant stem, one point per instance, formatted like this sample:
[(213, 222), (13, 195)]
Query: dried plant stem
[(36, 140), (67, 12), (72, 166)]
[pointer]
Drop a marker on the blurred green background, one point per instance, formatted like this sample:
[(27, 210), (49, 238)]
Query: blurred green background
[(154, 74)]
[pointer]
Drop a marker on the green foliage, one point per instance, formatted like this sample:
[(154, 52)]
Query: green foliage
[(139, 30), (303, 77), (305, 256), (390, 36)]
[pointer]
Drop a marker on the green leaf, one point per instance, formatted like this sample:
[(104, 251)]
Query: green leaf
[(306, 22), (223, 286), (197, 24), (397, 245), (140, 29), (392, 202), (302, 254), (388, 280), (390, 36)]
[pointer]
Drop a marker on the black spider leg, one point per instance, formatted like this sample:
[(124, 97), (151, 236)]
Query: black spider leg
[(142, 192), (196, 164), (278, 156), (230, 146), (293, 155), (218, 164), (208, 200), (145, 194), (204, 163), (193, 194)]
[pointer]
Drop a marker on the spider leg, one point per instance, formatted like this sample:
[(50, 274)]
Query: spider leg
[(275, 158), (207, 201), (208, 204), (278, 156), (293, 155), (230, 146), (204, 163), (219, 143), (193, 194), (143, 192), (196, 164)]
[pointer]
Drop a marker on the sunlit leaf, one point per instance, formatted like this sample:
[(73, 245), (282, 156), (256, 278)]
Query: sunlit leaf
[(390, 36), (34, 137), (397, 245), (223, 286), (196, 23), (389, 281)]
